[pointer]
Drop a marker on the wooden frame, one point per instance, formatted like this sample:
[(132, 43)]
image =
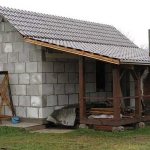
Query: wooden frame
[(5, 94), (117, 96)]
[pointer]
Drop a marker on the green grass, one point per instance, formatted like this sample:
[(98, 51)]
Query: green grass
[(81, 139)]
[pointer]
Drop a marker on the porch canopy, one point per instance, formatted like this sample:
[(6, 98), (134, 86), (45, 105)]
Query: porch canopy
[(86, 39)]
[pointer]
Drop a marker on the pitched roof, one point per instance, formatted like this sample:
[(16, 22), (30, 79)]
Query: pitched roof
[(82, 35), (124, 54)]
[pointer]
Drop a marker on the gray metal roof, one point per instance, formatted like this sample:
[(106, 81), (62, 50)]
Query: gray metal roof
[(53, 27), (124, 54), (86, 36)]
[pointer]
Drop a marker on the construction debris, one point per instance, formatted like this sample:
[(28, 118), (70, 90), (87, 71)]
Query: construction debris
[(63, 116)]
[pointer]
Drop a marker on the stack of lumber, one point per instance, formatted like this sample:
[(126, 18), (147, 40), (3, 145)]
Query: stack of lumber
[(100, 111)]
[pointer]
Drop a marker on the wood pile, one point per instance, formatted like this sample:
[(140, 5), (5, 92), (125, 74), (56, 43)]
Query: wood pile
[(100, 111)]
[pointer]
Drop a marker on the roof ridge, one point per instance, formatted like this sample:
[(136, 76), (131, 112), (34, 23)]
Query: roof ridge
[(58, 17)]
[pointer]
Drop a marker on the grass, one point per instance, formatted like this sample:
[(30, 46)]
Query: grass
[(81, 139)]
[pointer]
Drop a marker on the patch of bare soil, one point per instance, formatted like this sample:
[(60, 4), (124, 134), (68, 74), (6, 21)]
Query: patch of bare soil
[(141, 139)]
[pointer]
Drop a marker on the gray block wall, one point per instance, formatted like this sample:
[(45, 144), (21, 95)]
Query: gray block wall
[(22, 61), (63, 79), (42, 79)]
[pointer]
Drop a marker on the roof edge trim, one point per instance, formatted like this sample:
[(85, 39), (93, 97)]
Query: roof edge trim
[(73, 51), (135, 63)]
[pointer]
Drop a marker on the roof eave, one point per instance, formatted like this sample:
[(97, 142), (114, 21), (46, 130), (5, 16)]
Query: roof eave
[(73, 51), (135, 63)]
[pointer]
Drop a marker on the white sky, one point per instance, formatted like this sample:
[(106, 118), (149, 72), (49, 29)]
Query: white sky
[(131, 17)]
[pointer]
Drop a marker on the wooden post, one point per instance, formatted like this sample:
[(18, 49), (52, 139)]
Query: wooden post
[(116, 93), (82, 101), (138, 105)]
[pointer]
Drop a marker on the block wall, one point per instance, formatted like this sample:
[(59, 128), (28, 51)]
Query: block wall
[(42, 79), (61, 86), (23, 61)]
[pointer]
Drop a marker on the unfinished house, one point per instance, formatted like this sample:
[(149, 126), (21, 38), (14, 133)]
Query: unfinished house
[(54, 62)]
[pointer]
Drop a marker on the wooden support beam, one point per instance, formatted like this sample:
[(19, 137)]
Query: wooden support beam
[(113, 122), (82, 101), (74, 51), (138, 104), (116, 93)]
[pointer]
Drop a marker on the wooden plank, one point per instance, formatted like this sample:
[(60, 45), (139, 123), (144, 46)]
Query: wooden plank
[(103, 121), (145, 118), (112, 122), (5, 117), (101, 112), (102, 109), (111, 98), (74, 51), (96, 98), (103, 128), (82, 101)]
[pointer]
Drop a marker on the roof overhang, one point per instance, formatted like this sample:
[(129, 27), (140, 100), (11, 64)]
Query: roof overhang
[(73, 51), (135, 63)]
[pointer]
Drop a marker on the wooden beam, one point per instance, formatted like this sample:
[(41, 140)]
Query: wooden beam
[(116, 93), (113, 122), (138, 104), (73, 51), (103, 128), (131, 67), (102, 109), (102, 121), (82, 101)]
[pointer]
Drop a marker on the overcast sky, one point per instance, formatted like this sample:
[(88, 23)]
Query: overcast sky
[(131, 17)]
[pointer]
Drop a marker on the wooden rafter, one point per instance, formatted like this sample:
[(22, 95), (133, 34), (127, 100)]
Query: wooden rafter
[(73, 51)]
